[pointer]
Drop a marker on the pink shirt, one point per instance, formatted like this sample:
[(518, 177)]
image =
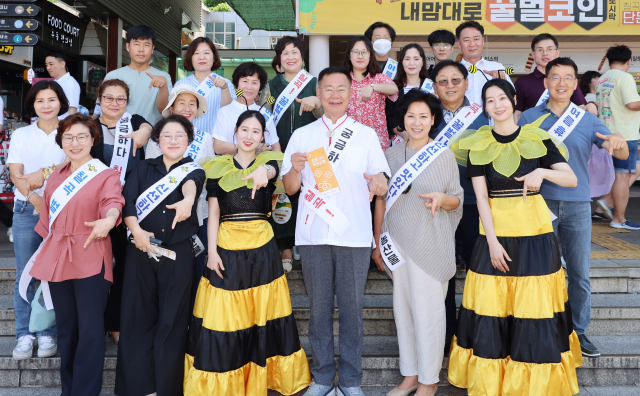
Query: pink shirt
[(63, 256), (371, 113)]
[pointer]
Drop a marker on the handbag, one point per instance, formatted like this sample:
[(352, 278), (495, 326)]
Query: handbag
[(41, 317)]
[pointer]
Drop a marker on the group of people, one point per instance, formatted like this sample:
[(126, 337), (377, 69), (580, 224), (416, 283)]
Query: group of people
[(179, 248)]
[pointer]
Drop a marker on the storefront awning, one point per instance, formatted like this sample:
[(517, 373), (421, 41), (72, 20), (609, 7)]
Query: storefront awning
[(266, 14)]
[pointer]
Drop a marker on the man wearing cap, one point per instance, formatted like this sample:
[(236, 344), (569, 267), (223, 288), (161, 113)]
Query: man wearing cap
[(334, 230)]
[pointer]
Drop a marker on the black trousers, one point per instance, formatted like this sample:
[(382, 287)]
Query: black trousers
[(119, 245), (6, 215), (466, 233), (79, 307), (153, 322)]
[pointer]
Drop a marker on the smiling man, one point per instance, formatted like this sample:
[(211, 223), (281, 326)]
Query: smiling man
[(441, 42), (531, 88), (56, 64), (579, 131), (334, 231)]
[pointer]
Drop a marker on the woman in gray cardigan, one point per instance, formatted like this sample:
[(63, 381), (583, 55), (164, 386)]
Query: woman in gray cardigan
[(421, 224)]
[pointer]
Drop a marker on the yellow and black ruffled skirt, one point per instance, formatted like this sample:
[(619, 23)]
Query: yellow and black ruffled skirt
[(243, 338), (515, 335)]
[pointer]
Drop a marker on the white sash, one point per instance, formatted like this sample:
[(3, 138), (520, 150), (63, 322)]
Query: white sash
[(543, 97), (427, 86), (196, 148), (390, 253), (268, 118), (206, 86), (391, 68), (59, 199), (342, 140), (120, 157), (567, 122), (289, 94), (425, 156)]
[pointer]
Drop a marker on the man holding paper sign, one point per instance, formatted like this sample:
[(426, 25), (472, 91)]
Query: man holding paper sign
[(334, 232)]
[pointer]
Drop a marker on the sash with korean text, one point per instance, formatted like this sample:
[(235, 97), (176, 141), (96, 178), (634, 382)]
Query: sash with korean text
[(427, 86), (289, 94), (567, 122), (543, 97), (59, 199), (268, 118), (341, 141), (206, 86), (122, 146), (391, 68), (196, 148)]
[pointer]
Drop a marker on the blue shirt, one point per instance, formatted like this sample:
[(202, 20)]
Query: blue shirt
[(208, 120), (579, 143), (467, 185)]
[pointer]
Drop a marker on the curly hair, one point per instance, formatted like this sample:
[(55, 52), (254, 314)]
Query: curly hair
[(173, 118)]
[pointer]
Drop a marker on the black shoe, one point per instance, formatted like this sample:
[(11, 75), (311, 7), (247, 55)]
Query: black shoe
[(588, 349), (447, 345), (461, 265)]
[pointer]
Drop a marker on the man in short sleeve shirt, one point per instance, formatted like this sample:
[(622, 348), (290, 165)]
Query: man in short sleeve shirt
[(56, 64)]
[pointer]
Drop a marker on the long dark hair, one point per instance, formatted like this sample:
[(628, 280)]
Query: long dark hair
[(372, 68), (505, 87), (29, 102), (585, 80), (401, 75)]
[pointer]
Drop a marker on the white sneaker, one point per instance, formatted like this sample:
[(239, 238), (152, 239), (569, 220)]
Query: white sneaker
[(10, 234), (24, 348), (287, 265), (296, 253), (47, 346)]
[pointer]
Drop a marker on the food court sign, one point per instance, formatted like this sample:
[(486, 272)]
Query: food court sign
[(570, 17)]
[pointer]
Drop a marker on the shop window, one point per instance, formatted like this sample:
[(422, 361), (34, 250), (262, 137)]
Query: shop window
[(222, 33)]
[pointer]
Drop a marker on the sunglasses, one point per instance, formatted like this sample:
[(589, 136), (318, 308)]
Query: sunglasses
[(454, 81)]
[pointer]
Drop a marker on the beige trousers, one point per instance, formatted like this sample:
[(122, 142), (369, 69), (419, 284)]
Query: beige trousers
[(418, 308)]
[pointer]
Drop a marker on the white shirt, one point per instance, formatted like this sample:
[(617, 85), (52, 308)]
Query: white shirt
[(207, 121), (228, 115), (71, 90), (34, 149), (364, 155), (477, 79)]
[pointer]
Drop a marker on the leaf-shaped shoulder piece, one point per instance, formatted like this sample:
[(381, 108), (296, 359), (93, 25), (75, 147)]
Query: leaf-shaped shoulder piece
[(223, 168)]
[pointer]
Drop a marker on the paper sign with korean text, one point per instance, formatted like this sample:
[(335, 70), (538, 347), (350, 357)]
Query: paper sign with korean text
[(323, 173)]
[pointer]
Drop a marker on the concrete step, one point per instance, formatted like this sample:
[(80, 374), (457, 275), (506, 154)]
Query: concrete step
[(618, 366)]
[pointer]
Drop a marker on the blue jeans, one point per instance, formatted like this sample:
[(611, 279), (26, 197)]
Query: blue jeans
[(26, 242), (573, 229)]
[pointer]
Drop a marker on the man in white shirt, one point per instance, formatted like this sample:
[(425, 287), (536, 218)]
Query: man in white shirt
[(56, 64), (335, 249), (470, 35)]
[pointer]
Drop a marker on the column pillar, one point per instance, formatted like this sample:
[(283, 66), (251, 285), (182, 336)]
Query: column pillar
[(318, 54), (173, 67), (114, 43)]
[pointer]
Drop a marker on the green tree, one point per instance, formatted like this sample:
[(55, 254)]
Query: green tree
[(217, 5)]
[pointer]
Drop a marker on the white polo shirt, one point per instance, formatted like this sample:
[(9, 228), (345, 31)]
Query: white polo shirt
[(225, 124), (364, 155), (34, 149), (478, 79), (71, 90)]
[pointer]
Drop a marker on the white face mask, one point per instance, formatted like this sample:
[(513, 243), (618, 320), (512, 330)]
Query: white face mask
[(382, 47)]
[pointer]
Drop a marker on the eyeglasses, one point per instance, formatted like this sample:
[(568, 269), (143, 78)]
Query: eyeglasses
[(442, 46), (359, 53), (454, 81), (331, 90), (168, 137), (376, 38), (543, 50), (82, 138), (109, 100), (556, 79)]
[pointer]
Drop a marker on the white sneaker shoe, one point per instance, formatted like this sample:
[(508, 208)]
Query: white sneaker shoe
[(10, 234), (47, 346), (24, 348), (287, 265)]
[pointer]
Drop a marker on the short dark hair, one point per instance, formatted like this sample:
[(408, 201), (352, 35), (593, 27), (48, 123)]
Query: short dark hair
[(618, 54), (401, 75), (252, 114), (469, 24), (369, 32), (248, 69), (191, 49), (372, 68), (542, 37), (58, 55), (504, 85), (112, 83), (141, 32), (81, 119), (417, 95), (173, 118), (441, 36), (42, 85), (297, 42), (333, 70), (585, 80), (561, 62), (446, 63)]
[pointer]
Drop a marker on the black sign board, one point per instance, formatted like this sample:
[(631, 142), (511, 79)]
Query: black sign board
[(18, 24), (19, 10), (62, 30), (95, 76), (18, 39)]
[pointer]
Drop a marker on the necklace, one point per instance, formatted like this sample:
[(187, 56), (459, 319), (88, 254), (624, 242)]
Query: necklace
[(332, 132), (406, 190)]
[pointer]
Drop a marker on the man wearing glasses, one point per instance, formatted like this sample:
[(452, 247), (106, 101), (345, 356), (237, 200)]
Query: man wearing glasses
[(530, 88), (450, 84), (441, 43), (579, 131)]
